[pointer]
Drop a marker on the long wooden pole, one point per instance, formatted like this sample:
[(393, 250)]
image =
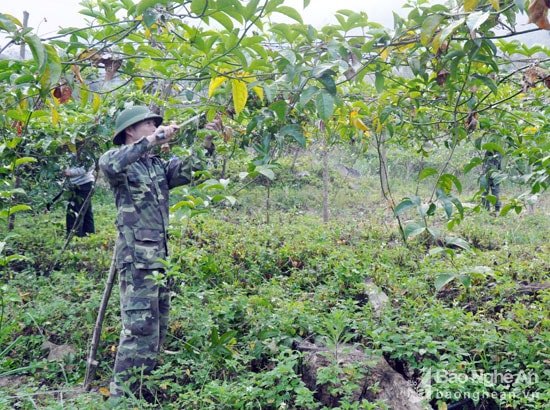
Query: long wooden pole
[(92, 363)]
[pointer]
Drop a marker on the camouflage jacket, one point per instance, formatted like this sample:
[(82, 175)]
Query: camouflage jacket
[(492, 161), (141, 184)]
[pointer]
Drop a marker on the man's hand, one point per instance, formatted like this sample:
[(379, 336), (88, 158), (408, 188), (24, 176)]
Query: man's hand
[(163, 134)]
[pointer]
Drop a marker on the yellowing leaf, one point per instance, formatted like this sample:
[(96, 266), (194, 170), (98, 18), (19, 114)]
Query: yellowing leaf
[(530, 130), (97, 102), (495, 4), (84, 96), (436, 43), (104, 391), (378, 126), (76, 71), (139, 82), (259, 92), (250, 79), (55, 116), (215, 83), (357, 122), (405, 47), (470, 5), (240, 95), (384, 54)]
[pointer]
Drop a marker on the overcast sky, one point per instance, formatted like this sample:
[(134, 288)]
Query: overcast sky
[(46, 17)]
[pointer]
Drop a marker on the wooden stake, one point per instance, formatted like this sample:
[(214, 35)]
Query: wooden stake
[(92, 363)]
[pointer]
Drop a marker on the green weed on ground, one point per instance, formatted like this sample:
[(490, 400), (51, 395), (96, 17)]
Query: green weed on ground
[(245, 292)]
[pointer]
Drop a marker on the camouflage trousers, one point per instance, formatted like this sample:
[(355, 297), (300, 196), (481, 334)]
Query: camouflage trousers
[(493, 188), (145, 308)]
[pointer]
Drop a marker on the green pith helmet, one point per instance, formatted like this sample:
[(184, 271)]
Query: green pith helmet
[(131, 116)]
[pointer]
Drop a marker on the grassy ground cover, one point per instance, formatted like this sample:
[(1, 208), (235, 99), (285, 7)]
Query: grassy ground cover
[(469, 326)]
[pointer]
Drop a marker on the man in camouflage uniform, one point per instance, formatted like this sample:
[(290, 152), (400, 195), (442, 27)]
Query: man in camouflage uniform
[(490, 179), (141, 182), (80, 174)]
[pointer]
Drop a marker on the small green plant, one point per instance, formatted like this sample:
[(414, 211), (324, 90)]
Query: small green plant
[(462, 275), (7, 297)]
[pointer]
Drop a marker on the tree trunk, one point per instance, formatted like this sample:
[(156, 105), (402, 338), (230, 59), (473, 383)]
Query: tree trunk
[(17, 183), (325, 185), (383, 167)]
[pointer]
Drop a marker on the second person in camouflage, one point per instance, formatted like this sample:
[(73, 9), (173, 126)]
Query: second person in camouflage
[(141, 182)]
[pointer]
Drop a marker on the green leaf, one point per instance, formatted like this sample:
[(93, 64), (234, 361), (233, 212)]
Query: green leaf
[(272, 5), (429, 26), (324, 102), (214, 336), (151, 51), (458, 242), (327, 79), (437, 250), (492, 146), (144, 5), (229, 198), (407, 204), (24, 160), (489, 82), (9, 23), (212, 184), (24, 79), (474, 162), (290, 12), (446, 180), (307, 94), (18, 208), (38, 50), (447, 206), (475, 20), (450, 29), (443, 279), (51, 71), (456, 202), (250, 9), (280, 108), (379, 81), (466, 280), (18, 115), (267, 172), (295, 131), (224, 20), (426, 172), (228, 336), (198, 7), (150, 17), (414, 229), (479, 271)]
